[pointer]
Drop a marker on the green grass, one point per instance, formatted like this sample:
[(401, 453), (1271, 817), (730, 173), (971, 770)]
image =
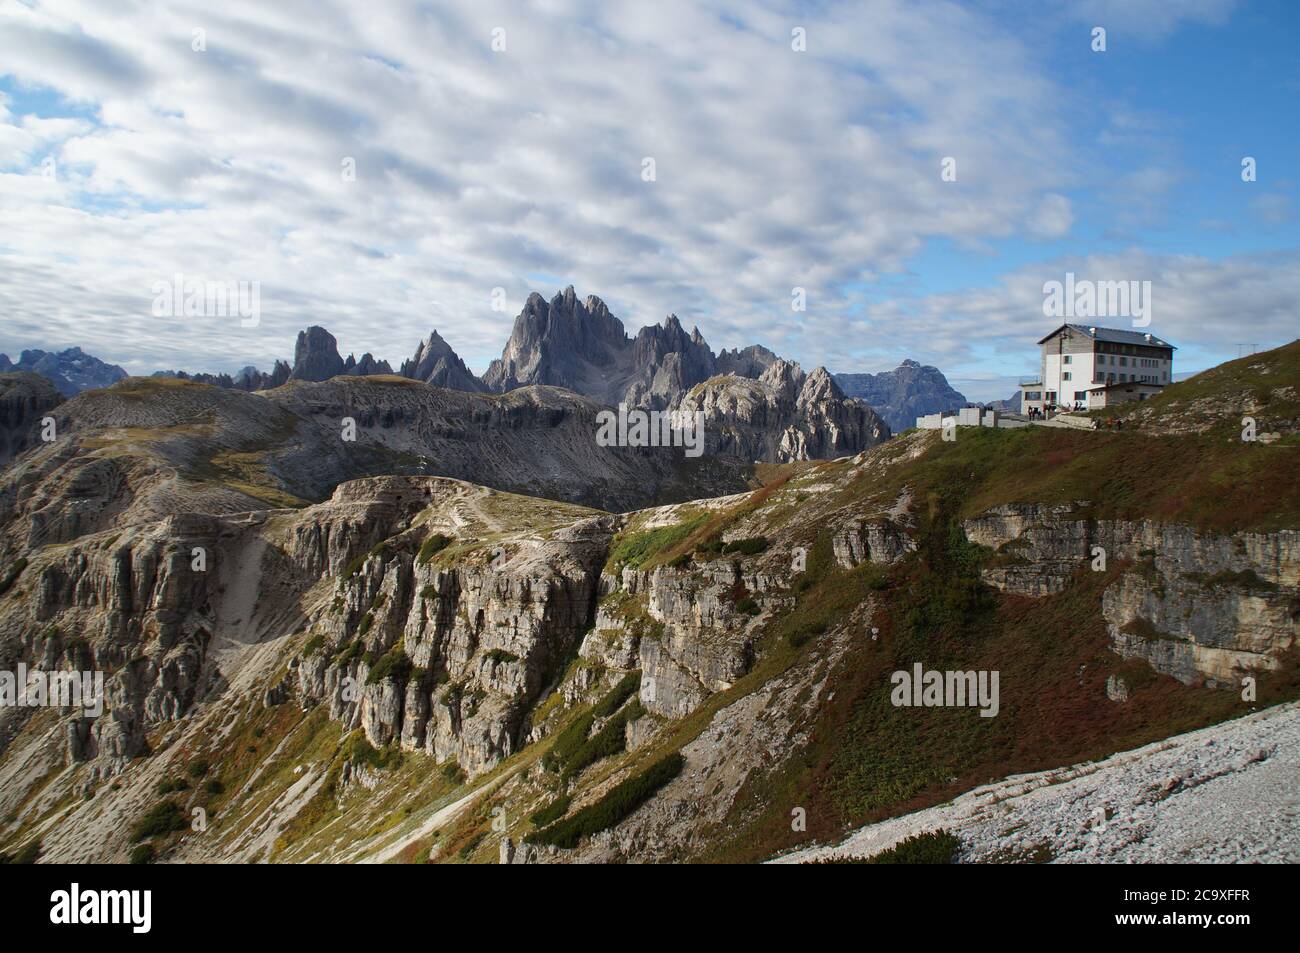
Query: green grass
[(636, 549)]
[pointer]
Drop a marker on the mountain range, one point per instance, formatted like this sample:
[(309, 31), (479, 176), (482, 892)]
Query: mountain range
[(71, 371), (469, 634), (576, 344)]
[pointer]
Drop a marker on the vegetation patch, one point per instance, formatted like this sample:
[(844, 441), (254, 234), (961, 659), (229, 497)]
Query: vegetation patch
[(392, 664), (552, 811), (931, 847), (621, 801), (432, 547), (12, 573), (163, 818)]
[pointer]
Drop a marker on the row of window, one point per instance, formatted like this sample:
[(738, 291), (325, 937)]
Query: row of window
[(1122, 378), (1118, 361)]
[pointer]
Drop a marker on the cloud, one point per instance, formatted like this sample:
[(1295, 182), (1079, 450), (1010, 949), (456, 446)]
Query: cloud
[(474, 168), (1206, 307)]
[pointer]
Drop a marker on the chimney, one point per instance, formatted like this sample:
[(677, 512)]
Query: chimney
[(1148, 337), (1092, 331)]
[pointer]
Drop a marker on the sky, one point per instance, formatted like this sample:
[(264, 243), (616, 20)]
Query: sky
[(920, 169)]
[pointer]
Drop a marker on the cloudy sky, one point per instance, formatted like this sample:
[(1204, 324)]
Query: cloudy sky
[(505, 146)]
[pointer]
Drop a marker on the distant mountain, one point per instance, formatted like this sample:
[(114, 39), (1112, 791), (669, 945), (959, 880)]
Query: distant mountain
[(437, 364), (71, 371), (1011, 404), (761, 407), (581, 346), (901, 395)]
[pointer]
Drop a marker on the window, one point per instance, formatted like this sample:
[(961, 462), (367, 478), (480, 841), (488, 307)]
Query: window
[(1033, 395), (1067, 359), (1123, 362), (1065, 376), (1080, 395)]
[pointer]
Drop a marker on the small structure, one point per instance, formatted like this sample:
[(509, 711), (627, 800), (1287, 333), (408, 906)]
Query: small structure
[(1108, 395), (964, 417)]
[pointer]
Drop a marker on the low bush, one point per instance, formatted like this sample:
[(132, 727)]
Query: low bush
[(143, 854), (393, 664), (621, 801), (12, 573), (163, 818), (30, 851), (746, 547), (551, 812), (432, 547)]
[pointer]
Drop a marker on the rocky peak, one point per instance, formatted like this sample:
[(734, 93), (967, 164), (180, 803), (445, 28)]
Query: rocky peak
[(437, 364), (367, 365), (316, 356)]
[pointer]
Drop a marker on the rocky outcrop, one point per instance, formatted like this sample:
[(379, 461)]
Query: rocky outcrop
[(24, 399), (901, 395), (448, 657), (437, 364), (1200, 606), (366, 366), (785, 415), (316, 356), (879, 540)]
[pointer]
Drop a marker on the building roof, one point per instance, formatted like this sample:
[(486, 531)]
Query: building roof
[(1113, 335), (1117, 384)]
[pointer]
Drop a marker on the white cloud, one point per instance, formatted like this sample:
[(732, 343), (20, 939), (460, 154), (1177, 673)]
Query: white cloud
[(477, 169)]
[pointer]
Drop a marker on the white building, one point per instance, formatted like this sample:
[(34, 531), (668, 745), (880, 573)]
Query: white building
[(1078, 358)]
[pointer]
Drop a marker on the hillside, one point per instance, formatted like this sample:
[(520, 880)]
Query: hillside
[(422, 668)]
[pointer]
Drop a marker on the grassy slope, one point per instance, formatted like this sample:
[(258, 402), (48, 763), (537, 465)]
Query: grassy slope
[(869, 759)]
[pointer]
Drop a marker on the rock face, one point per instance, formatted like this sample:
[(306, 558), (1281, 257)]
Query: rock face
[(580, 346), (483, 636), (1195, 605), (566, 343), (901, 395), (785, 415), (71, 371), (24, 399), (316, 356), (437, 364)]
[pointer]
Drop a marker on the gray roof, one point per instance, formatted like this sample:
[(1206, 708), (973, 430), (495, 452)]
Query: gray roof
[(1113, 335)]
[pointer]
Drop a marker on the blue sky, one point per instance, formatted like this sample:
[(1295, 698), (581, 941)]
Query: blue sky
[(521, 169)]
